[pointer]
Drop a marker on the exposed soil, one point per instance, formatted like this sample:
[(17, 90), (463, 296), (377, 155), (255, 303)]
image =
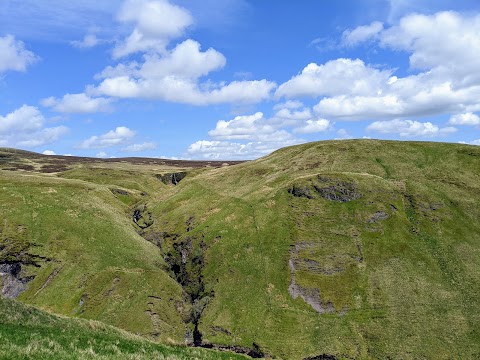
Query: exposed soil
[(310, 296)]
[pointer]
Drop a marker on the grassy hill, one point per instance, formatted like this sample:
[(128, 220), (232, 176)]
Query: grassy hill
[(28, 333), (357, 249)]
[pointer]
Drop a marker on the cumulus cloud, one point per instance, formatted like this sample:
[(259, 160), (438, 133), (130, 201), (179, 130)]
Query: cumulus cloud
[(140, 147), (409, 128), (361, 34), (252, 136), (116, 137), (78, 104), (227, 150), (14, 56), (49, 152), (313, 126), (88, 41), (336, 77), (174, 76), (465, 119), (244, 127), (447, 79), (24, 127), (155, 24)]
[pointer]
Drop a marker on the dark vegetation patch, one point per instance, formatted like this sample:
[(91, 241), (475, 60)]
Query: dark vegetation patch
[(7, 156), (171, 178), (53, 168), (321, 357), (16, 166)]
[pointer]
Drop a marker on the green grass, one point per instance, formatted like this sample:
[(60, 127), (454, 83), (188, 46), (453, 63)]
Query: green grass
[(27, 333), (403, 287)]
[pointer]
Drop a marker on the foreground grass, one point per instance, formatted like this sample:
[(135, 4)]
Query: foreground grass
[(27, 333)]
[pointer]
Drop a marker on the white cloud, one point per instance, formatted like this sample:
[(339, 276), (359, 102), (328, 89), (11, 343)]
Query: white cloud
[(409, 128), (336, 77), (361, 34), (185, 60), (465, 119), (290, 104), (360, 107), (25, 119), (101, 154), (186, 91), (174, 76), (88, 41), (226, 150), (457, 57), (140, 147), (155, 24), (119, 136), (78, 104), (49, 152), (241, 127), (24, 127), (448, 81), (42, 137), (313, 126), (14, 56), (343, 134)]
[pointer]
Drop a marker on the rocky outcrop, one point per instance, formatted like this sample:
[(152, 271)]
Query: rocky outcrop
[(171, 178), (328, 188), (13, 283)]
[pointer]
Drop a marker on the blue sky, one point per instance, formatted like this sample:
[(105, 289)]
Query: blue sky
[(234, 79)]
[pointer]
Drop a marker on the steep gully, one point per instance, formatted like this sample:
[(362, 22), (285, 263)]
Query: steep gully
[(185, 258)]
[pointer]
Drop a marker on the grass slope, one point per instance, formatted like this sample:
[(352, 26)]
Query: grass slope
[(350, 249), (394, 272), (27, 333)]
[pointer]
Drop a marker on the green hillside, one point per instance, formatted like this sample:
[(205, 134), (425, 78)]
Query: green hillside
[(357, 249), (27, 333)]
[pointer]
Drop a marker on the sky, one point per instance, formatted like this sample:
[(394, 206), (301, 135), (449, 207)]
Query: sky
[(234, 79)]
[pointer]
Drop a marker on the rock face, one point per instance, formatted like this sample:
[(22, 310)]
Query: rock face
[(13, 283), (327, 188), (171, 178)]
